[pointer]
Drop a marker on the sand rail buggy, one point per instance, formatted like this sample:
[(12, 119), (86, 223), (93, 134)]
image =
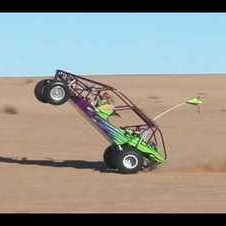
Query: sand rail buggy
[(133, 147)]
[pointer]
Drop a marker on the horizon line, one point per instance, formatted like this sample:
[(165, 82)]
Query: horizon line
[(122, 74)]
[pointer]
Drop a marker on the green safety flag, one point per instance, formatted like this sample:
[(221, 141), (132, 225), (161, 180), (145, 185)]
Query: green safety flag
[(195, 101)]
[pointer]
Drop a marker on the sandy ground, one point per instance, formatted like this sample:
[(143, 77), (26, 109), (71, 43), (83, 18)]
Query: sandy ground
[(51, 158)]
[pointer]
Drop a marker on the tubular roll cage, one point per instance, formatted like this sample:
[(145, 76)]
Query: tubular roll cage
[(81, 86)]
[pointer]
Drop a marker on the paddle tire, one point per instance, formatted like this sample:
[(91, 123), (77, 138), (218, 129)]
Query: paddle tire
[(149, 163), (109, 156), (40, 90), (129, 161), (57, 93)]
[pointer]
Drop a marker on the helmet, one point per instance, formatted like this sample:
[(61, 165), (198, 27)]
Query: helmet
[(106, 95)]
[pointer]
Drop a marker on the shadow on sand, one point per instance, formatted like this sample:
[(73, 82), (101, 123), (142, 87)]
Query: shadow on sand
[(78, 164)]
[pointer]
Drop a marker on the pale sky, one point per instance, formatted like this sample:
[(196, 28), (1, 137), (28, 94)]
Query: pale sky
[(112, 43)]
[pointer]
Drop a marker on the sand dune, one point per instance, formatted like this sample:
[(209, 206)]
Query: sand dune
[(51, 158)]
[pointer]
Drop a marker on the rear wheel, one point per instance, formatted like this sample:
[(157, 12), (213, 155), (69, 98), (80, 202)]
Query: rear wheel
[(149, 163), (129, 161), (57, 93), (110, 157)]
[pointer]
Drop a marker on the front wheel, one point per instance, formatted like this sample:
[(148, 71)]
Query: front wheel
[(57, 93), (40, 90)]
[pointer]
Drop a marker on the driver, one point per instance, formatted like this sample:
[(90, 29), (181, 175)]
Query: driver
[(104, 104)]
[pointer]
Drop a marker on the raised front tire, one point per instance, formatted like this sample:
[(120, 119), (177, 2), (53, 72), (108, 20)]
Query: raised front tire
[(129, 161), (40, 90), (110, 157), (57, 93)]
